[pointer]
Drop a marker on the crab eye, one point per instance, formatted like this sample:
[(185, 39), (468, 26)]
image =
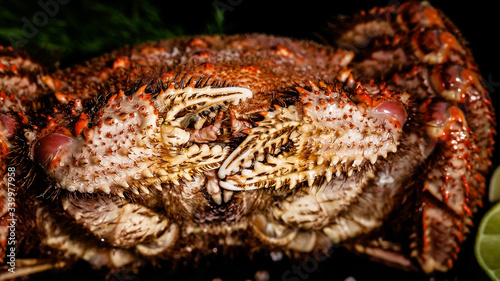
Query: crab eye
[(48, 150)]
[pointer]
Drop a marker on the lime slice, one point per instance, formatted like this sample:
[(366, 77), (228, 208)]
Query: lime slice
[(494, 193), (488, 243)]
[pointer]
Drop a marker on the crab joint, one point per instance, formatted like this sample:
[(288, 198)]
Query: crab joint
[(49, 149), (174, 136), (392, 111)]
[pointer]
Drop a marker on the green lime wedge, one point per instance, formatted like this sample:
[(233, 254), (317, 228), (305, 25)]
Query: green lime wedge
[(488, 243), (494, 193)]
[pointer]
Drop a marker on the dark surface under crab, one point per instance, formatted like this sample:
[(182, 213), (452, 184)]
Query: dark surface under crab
[(341, 265)]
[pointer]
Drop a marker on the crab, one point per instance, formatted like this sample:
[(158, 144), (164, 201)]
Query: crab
[(165, 151)]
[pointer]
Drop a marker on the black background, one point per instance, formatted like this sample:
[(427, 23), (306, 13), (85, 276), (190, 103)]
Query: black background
[(478, 21)]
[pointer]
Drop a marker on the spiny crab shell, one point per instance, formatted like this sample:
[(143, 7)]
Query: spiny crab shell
[(166, 150)]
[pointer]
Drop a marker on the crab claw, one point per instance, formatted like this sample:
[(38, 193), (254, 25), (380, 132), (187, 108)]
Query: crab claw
[(196, 100), (184, 105), (139, 140), (109, 153), (330, 134), (263, 141)]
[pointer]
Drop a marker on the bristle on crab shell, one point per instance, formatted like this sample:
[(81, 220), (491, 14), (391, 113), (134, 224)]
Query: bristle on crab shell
[(337, 130)]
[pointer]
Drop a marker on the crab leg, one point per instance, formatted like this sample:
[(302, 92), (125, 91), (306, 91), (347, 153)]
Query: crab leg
[(123, 224), (19, 79), (452, 182), (97, 254), (438, 69), (27, 267), (18, 86)]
